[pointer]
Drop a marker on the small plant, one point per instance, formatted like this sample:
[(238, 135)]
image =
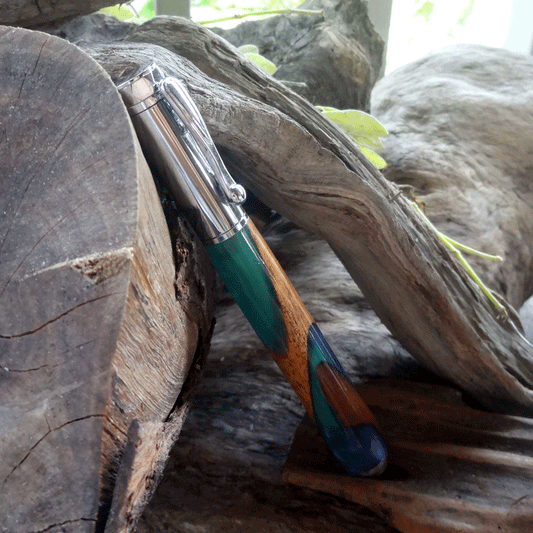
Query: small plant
[(456, 248), (252, 53), (365, 130)]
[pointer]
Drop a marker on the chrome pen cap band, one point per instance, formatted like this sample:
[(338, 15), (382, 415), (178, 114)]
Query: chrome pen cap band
[(138, 88), (179, 149)]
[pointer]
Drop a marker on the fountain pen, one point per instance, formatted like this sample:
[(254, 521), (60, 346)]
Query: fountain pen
[(180, 151)]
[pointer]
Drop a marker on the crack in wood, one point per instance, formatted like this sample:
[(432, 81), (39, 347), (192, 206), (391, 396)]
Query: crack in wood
[(31, 332), (38, 242), (44, 437), (36, 61), (61, 524)]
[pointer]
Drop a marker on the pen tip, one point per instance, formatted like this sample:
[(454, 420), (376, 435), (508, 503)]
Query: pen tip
[(346, 423), (362, 452)]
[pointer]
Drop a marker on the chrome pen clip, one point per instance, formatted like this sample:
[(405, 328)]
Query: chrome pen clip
[(198, 140), (180, 146)]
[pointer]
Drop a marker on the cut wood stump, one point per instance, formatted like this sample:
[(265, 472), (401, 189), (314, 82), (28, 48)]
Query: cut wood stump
[(103, 316)]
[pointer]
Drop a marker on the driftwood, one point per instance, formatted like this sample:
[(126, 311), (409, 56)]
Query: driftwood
[(332, 60), (259, 167), (474, 175), (451, 468), (33, 13), (103, 317), (225, 471), (411, 280)]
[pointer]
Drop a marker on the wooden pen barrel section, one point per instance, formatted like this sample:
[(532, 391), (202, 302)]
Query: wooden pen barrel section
[(269, 301), (274, 309), (271, 304)]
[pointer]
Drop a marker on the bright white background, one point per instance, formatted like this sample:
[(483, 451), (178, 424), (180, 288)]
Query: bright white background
[(497, 23)]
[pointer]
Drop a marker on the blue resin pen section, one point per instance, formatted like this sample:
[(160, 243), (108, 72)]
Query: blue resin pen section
[(179, 149)]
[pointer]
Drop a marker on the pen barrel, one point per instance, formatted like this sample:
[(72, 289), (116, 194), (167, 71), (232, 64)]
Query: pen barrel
[(179, 148), (269, 302), (274, 309), (272, 306)]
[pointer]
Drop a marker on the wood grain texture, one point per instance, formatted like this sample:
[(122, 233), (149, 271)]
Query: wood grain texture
[(103, 313), (33, 13), (451, 468), (67, 234), (346, 402), (475, 176), (317, 178), (297, 321), (224, 470)]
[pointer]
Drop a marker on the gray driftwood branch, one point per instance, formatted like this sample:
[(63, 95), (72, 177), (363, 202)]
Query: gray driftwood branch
[(304, 167)]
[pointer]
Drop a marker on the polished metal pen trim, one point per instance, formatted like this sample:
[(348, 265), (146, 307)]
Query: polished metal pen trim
[(177, 143)]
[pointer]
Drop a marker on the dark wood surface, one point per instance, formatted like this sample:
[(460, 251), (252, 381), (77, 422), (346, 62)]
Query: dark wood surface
[(451, 468), (103, 313)]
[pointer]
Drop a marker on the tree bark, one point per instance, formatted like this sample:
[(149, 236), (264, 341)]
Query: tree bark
[(104, 317)]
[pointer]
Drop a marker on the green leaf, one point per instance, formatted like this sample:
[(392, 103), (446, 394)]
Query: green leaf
[(425, 10), (148, 10), (356, 123), (370, 141), (119, 11), (262, 62), (248, 49), (363, 128), (374, 158)]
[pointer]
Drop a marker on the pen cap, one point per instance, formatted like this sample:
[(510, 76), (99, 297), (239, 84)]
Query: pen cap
[(179, 149)]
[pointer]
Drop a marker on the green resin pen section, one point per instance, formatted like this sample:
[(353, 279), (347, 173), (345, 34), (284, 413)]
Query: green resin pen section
[(274, 309)]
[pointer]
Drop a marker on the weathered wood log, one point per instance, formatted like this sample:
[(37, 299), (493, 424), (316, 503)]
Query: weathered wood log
[(334, 59), (104, 318), (451, 468), (193, 448), (460, 127), (32, 13), (410, 278), (244, 500)]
